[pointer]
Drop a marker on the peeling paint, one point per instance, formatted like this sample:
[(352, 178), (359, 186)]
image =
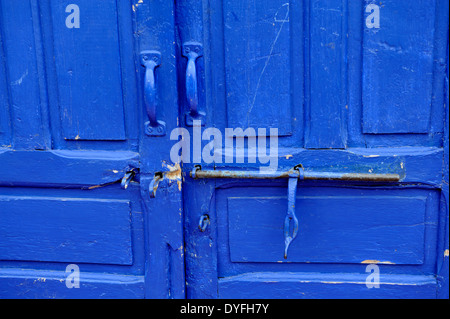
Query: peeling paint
[(446, 253), (370, 261), (369, 156), (174, 173), (137, 5)]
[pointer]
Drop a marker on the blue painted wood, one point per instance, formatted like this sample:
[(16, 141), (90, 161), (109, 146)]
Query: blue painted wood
[(257, 64), (65, 230), (32, 284), (335, 106), (344, 98), (356, 31), (398, 69), (87, 58), (82, 102), (332, 229), (443, 249), (19, 47), (5, 129), (325, 286), (163, 215), (326, 81), (65, 168), (111, 193)]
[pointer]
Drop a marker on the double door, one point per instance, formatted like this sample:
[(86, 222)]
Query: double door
[(223, 149)]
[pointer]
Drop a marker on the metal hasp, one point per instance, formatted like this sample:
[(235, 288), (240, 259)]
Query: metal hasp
[(291, 232), (192, 51), (150, 60), (127, 178), (294, 175), (203, 222)]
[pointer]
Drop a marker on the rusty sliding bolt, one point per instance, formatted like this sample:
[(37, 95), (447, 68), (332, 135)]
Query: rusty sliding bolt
[(197, 172)]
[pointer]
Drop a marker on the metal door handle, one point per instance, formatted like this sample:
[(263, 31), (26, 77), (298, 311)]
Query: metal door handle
[(192, 50), (150, 60)]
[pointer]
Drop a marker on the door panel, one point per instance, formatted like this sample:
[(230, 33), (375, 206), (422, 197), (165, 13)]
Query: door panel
[(369, 101), (86, 136), (398, 70), (88, 72), (75, 230), (257, 64), (394, 74), (352, 227), (325, 286), (76, 161)]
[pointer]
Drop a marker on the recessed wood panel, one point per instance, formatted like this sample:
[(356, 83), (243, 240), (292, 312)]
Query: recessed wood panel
[(88, 68), (332, 229), (258, 64), (398, 68), (65, 230)]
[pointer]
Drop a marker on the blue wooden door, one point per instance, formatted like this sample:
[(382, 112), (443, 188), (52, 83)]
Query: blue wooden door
[(133, 135), (350, 88), (84, 86)]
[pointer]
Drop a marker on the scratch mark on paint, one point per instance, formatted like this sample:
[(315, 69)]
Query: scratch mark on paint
[(20, 80), (267, 61)]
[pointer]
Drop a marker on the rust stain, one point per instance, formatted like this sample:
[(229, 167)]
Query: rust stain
[(174, 173)]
